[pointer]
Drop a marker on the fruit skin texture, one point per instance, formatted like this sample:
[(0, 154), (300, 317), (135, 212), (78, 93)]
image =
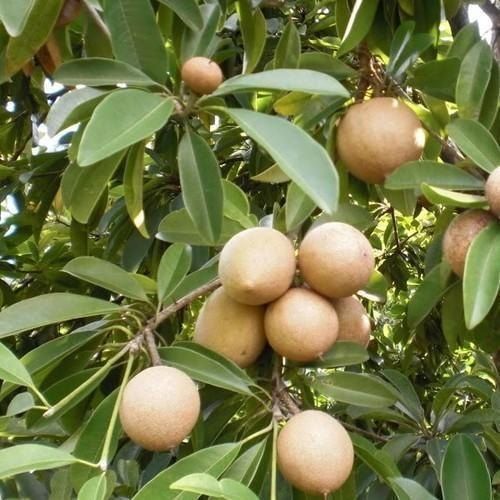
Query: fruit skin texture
[(492, 191), (159, 408), (377, 136), (315, 452), (232, 329), (459, 235), (201, 75), (301, 325), (336, 259), (354, 323), (257, 266)]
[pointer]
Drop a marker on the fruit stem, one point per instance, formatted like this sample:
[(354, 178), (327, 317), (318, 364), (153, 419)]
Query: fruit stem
[(265, 430), (274, 460), (40, 396), (103, 462)]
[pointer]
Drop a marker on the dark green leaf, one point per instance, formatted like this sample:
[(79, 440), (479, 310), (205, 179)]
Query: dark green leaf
[(378, 460), (288, 49), (437, 78), (342, 354), (408, 489), (325, 63), (188, 11), (201, 42), (254, 31)]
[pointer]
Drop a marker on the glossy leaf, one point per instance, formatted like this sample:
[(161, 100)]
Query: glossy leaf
[(298, 155), (12, 369), (253, 30), (201, 42), (490, 107), (188, 11), (106, 275), (272, 175), (437, 78), (14, 15), (201, 186), (174, 266), (481, 282), (236, 205), (342, 354), (449, 198), (50, 308), (288, 49), (378, 460), (120, 120), (246, 466), (298, 207), (94, 489), (408, 489), (464, 40)]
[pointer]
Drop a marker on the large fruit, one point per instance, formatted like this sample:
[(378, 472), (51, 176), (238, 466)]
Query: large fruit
[(230, 328), (376, 136), (459, 235), (354, 323), (257, 265), (336, 259), (492, 191), (315, 453), (159, 408), (201, 75), (301, 325)]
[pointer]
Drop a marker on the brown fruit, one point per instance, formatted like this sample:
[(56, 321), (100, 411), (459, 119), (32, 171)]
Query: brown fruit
[(257, 266), (230, 328), (70, 11), (377, 136), (301, 325), (201, 75), (459, 235), (354, 323), (492, 191), (315, 452), (336, 259), (159, 408)]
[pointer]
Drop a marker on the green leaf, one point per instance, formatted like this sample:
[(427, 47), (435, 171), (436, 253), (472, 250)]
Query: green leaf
[(408, 489), (206, 366), (12, 369), (302, 80), (106, 275), (272, 175), (254, 31), (359, 389), (120, 120), (128, 22), (325, 63), (100, 72), (473, 78), (437, 78), (174, 266), (376, 289), (20, 403), (481, 281), (37, 29), (214, 461), (31, 457), (287, 52), (464, 40), (355, 215), (205, 484), (413, 174), (452, 316), (188, 11), (178, 227), (48, 309), (14, 15), (477, 142), (402, 37), (202, 41), (201, 186), (298, 207), (304, 160), (453, 199), (133, 187), (360, 22), (342, 354), (246, 466), (236, 205), (489, 109), (464, 473), (94, 488)]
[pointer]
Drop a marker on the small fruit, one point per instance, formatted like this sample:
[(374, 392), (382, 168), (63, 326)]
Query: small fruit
[(257, 266), (377, 136), (354, 323), (159, 408), (336, 259), (70, 11), (459, 235), (301, 325), (230, 328), (315, 452), (492, 191), (201, 75)]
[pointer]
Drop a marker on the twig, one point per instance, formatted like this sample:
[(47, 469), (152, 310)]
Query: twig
[(366, 433)]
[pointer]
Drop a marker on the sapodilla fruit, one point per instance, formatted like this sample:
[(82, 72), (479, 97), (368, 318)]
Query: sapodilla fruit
[(159, 408), (257, 266), (230, 328), (301, 325), (336, 259), (201, 75), (315, 453), (376, 136), (459, 235), (492, 191), (354, 323)]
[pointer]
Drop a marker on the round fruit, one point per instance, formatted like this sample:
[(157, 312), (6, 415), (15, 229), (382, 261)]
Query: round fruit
[(492, 191), (375, 137), (159, 408), (230, 328), (201, 75), (257, 266), (459, 235), (336, 259), (315, 452), (301, 325), (70, 11), (354, 323)]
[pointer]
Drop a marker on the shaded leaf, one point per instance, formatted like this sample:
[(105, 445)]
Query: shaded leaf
[(201, 42), (254, 31), (188, 11), (173, 268)]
